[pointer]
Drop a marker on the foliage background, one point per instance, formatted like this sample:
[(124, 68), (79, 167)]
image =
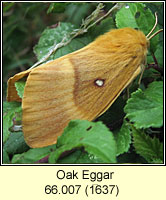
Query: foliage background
[(23, 24)]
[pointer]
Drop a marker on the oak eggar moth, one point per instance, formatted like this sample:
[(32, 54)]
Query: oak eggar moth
[(80, 85)]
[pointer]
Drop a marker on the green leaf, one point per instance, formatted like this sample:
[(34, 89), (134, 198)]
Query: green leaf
[(105, 26), (125, 17), (15, 144), (157, 7), (95, 138), (157, 161), (123, 139), (76, 12), (159, 54), (72, 157), (55, 35), (9, 111), (9, 106), (6, 159), (20, 85), (149, 148), (79, 156), (33, 155), (145, 108), (7, 6), (51, 36), (57, 7), (137, 15), (88, 158)]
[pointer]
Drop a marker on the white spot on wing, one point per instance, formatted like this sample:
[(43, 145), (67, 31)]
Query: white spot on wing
[(99, 82)]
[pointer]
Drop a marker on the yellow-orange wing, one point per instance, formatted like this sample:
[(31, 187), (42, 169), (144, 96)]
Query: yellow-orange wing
[(48, 102), (105, 67), (11, 90), (80, 85)]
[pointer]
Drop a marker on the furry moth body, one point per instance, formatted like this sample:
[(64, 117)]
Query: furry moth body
[(80, 85)]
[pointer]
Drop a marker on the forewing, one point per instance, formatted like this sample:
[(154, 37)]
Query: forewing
[(48, 102), (65, 89), (92, 99), (11, 90)]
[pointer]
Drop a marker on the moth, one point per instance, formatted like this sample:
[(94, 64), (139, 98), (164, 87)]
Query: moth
[(80, 85)]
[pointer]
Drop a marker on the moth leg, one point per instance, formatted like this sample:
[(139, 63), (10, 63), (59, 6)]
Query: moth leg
[(142, 72), (128, 90)]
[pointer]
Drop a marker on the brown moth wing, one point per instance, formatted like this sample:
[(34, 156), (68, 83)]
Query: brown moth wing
[(11, 90), (48, 102), (114, 60), (92, 99), (66, 89)]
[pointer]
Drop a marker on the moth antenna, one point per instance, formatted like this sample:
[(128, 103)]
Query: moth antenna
[(153, 26), (155, 34)]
